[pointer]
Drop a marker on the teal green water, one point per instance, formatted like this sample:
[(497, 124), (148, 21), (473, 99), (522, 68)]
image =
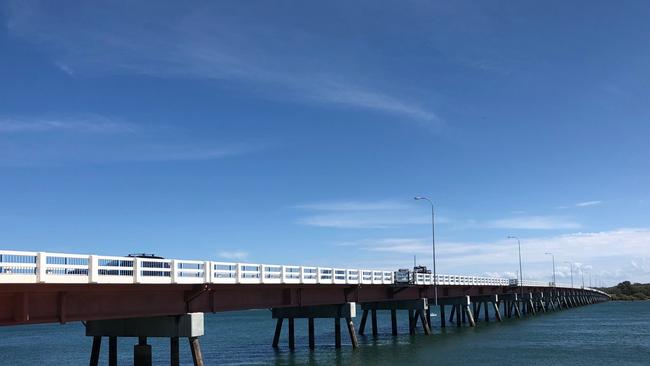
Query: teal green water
[(604, 334)]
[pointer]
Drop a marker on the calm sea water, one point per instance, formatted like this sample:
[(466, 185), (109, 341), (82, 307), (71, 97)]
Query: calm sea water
[(604, 334)]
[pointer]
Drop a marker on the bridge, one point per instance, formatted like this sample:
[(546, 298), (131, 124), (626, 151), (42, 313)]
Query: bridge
[(150, 297)]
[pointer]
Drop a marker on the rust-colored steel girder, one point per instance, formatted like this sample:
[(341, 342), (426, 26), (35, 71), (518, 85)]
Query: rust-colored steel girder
[(49, 303)]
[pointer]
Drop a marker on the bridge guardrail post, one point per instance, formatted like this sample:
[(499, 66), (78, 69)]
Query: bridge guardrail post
[(41, 267), (262, 273), (137, 273), (238, 273), (207, 272), (302, 274), (174, 270), (93, 270)]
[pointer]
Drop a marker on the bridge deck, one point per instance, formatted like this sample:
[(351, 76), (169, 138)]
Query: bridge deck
[(42, 303), (39, 287)]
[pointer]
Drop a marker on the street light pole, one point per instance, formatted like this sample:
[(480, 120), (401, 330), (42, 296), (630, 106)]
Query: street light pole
[(433, 247), (521, 274), (571, 263), (553, 256)]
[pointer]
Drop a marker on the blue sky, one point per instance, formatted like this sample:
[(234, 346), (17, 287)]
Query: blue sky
[(294, 132)]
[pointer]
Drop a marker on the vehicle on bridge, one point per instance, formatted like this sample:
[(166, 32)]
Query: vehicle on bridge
[(407, 276)]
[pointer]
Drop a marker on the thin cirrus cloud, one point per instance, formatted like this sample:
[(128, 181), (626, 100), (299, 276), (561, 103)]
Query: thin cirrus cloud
[(533, 223), (205, 42), (357, 221), (353, 206), (91, 138), (382, 214), (588, 203), (238, 254), (94, 124), (604, 254), (581, 204)]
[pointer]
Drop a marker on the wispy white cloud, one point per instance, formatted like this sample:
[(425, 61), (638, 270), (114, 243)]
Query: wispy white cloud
[(233, 255), (100, 139), (207, 42), (588, 203), (533, 223), (381, 214), (353, 206), (180, 152), (614, 255), (360, 221), (397, 245), (101, 152), (346, 94), (95, 124)]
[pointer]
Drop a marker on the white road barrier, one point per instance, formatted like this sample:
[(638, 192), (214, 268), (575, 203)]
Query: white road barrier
[(42, 267)]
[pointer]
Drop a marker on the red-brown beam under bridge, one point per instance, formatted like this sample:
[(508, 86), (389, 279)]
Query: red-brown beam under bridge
[(61, 303)]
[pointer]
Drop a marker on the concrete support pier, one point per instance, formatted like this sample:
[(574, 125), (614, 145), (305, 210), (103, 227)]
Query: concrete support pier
[(346, 311), (417, 310), (510, 305), (188, 326), (485, 302), (460, 311)]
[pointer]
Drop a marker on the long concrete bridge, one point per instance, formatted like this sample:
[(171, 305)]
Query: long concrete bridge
[(150, 297)]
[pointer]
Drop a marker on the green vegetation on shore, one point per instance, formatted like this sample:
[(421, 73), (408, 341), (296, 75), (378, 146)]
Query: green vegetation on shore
[(629, 291)]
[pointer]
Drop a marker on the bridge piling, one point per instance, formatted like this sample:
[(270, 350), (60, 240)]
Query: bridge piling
[(312, 341), (142, 353), (495, 305), (94, 353), (172, 327), (345, 311), (174, 352), (374, 322), (483, 302), (112, 351), (460, 310), (393, 321), (197, 356), (278, 331), (416, 312), (292, 334)]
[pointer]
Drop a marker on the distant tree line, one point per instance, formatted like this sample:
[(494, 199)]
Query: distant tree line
[(629, 291)]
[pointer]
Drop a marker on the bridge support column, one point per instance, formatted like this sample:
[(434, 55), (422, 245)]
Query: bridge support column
[(527, 304), (550, 301), (417, 311), (172, 327), (142, 353), (484, 302), (346, 311), (511, 305), (460, 310)]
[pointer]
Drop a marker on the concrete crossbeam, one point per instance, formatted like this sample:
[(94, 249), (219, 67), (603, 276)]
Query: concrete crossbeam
[(347, 310), (186, 325), (485, 298), (419, 304), (461, 300)]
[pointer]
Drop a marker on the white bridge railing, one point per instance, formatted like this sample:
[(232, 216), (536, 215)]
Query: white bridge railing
[(42, 267)]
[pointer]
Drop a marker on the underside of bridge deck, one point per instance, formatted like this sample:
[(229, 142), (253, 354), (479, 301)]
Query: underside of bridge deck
[(44, 303)]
